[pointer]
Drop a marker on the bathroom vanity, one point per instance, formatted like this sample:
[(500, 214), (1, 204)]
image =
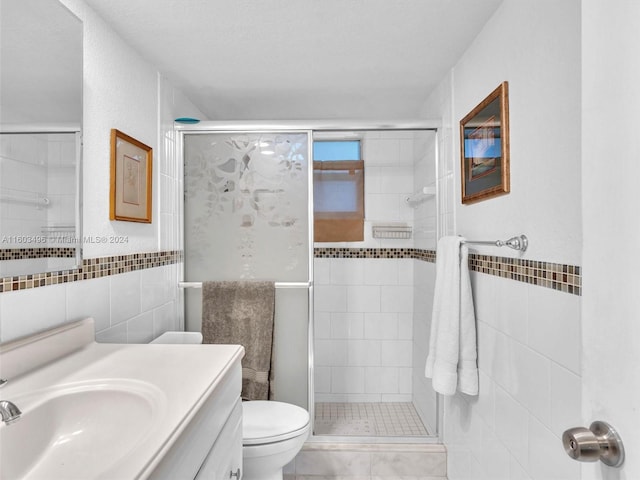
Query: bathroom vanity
[(93, 410)]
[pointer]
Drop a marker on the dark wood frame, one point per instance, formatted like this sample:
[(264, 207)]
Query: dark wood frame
[(496, 180)]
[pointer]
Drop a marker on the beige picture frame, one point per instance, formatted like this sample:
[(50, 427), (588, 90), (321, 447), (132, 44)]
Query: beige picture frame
[(131, 179)]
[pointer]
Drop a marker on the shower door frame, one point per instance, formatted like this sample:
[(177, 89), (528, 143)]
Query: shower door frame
[(308, 127)]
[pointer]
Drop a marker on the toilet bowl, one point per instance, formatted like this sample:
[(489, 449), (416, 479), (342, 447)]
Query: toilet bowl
[(272, 435), (272, 432)]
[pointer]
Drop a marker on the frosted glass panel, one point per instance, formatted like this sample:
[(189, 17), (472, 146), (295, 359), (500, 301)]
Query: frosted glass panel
[(246, 214), (246, 217)]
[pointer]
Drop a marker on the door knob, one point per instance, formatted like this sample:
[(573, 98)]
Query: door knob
[(598, 442)]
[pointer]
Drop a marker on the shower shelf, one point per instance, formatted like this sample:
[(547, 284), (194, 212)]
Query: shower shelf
[(417, 198), (393, 231)]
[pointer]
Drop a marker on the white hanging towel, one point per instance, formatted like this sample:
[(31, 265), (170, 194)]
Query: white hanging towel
[(452, 359)]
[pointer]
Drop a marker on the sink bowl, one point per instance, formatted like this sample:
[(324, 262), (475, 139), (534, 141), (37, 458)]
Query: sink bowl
[(71, 430)]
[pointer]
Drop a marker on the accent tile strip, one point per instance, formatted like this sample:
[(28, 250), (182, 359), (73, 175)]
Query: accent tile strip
[(557, 276), (93, 268), (564, 278), (561, 277), (39, 252)]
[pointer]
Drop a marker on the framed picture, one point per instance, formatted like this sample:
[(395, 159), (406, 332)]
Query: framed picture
[(484, 148), (131, 180)]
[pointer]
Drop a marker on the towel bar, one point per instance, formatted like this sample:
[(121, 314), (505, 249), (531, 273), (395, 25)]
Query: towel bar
[(520, 242), (277, 284)]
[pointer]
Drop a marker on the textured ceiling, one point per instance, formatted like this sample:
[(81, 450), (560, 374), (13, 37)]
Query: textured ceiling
[(301, 59)]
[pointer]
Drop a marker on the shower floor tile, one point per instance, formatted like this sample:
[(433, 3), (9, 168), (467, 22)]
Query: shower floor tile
[(368, 419)]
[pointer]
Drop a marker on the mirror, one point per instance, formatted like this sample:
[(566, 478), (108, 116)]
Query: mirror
[(40, 140)]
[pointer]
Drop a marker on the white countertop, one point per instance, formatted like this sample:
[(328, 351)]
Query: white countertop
[(177, 379)]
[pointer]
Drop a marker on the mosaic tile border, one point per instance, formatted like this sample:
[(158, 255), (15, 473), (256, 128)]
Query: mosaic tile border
[(338, 252), (557, 276), (39, 252), (561, 277), (93, 268)]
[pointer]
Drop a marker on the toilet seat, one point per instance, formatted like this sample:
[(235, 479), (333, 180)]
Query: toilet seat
[(269, 422)]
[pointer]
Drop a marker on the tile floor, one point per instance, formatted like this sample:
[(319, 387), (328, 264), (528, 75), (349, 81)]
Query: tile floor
[(368, 461), (368, 419)]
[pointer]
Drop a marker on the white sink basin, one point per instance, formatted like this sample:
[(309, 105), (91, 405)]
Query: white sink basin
[(109, 411), (73, 429)]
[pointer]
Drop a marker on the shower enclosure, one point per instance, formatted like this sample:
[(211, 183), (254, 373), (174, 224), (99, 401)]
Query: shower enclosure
[(351, 322)]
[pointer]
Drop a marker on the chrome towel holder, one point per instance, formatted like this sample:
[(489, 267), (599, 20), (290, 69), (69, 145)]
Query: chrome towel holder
[(519, 242)]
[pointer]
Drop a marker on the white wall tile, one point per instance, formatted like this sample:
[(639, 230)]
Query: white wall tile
[(140, 328), (396, 299), (547, 458), (397, 179), (322, 325), (381, 326), (405, 326), (322, 271), (380, 271), (381, 152), (381, 380), (363, 298), (165, 319), (25, 312), (329, 298), (330, 352), (364, 353), (322, 379), (531, 381), (484, 404), (115, 334), (382, 207), (512, 425), (405, 271), (397, 353), (125, 296), (566, 398), (347, 271), (554, 326), (347, 379), (511, 310), (347, 325), (90, 298), (405, 380), (157, 286)]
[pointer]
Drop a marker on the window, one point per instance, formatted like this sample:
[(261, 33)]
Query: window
[(338, 191)]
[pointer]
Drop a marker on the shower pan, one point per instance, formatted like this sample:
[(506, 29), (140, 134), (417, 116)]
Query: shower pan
[(247, 206)]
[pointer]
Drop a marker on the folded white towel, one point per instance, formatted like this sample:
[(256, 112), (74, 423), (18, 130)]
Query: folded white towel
[(452, 359)]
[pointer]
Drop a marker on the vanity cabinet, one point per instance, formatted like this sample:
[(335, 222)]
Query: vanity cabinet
[(124, 411), (210, 447), (225, 458)]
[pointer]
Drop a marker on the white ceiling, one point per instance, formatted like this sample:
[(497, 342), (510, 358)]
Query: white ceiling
[(301, 59)]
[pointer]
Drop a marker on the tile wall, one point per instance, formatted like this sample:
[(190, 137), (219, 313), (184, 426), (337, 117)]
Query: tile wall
[(132, 307), (363, 329), (530, 385), (363, 308)]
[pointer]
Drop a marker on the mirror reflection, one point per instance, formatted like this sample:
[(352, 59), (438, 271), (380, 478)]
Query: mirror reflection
[(40, 142)]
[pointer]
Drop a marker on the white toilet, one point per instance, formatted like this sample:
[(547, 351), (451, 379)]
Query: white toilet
[(272, 432), (272, 435)]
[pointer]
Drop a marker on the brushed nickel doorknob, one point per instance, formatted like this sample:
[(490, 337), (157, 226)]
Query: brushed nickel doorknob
[(598, 442)]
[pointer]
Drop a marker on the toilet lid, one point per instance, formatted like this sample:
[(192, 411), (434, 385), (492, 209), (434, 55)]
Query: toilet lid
[(267, 421)]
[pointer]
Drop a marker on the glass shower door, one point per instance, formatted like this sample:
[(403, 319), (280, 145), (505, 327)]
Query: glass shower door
[(246, 217)]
